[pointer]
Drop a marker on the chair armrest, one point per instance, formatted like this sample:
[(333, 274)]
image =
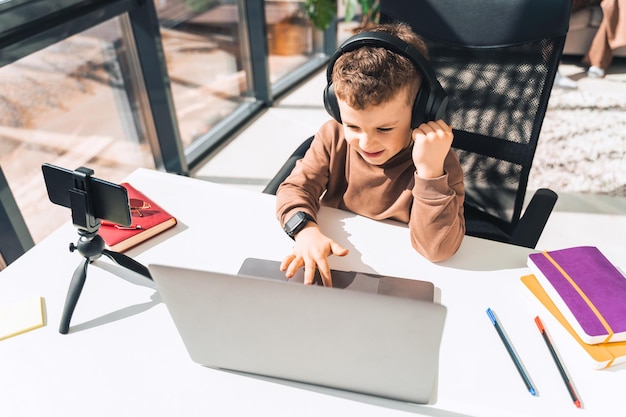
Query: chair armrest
[(287, 167), (531, 224)]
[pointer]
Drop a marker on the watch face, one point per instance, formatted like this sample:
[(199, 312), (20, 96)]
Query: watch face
[(296, 223)]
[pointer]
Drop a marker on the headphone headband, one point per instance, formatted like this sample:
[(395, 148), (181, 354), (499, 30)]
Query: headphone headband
[(431, 101), (382, 40)]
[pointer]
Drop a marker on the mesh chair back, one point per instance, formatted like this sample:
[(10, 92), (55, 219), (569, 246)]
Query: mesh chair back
[(497, 61)]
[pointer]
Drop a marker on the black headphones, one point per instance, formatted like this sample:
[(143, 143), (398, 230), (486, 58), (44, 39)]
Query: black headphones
[(431, 100)]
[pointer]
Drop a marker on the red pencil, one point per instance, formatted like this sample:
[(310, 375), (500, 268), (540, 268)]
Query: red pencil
[(568, 383)]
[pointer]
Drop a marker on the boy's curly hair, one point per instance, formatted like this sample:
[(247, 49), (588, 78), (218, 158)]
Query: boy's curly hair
[(373, 75)]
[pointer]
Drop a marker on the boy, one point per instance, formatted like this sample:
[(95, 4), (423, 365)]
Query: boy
[(374, 164)]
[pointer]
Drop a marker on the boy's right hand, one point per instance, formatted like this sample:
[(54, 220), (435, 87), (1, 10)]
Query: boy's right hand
[(311, 251), (432, 142)]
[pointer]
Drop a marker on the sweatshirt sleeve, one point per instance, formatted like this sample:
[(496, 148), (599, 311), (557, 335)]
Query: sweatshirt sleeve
[(302, 189), (437, 221)]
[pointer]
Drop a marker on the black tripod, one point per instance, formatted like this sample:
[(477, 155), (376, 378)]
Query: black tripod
[(91, 246), (90, 200)]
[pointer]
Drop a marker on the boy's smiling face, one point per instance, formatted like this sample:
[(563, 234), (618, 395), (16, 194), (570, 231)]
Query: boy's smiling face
[(378, 132)]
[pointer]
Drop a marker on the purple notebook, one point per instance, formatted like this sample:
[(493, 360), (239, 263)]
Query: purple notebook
[(588, 290)]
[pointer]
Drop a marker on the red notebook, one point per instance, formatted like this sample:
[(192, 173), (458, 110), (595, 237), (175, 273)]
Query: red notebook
[(587, 289), (148, 220)]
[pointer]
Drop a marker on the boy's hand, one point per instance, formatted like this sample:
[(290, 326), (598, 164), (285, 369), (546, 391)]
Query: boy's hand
[(432, 142), (311, 251)]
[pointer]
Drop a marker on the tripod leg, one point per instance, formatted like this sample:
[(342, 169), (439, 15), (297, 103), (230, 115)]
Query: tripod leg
[(127, 262), (76, 286)]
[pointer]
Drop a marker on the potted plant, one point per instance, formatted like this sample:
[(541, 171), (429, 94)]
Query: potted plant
[(323, 12), (291, 36)]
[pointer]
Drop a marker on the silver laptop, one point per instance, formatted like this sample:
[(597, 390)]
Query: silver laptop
[(372, 283), (358, 341)]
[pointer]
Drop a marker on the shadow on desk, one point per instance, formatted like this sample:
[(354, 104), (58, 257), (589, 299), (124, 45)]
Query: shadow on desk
[(118, 315), (132, 278), (477, 254), (390, 240), (424, 410), (157, 239)]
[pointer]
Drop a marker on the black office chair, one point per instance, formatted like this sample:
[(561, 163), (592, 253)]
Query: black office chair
[(497, 61), (15, 239)]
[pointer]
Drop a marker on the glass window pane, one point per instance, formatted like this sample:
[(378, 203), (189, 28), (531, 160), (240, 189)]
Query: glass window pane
[(204, 55), (291, 38), (67, 105)]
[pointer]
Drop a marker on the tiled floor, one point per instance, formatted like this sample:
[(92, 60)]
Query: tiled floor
[(614, 81), (257, 152)]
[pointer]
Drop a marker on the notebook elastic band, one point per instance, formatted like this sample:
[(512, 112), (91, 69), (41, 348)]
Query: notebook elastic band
[(583, 296)]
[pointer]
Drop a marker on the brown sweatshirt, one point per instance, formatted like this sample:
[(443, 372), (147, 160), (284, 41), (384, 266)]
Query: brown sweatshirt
[(332, 173)]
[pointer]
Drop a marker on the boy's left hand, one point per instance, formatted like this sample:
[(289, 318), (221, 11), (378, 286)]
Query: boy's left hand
[(431, 144)]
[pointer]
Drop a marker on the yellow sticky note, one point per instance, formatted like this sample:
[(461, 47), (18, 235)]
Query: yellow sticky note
[(20, 317)]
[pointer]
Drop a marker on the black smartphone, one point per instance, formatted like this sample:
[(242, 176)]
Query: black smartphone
[(109, 201)]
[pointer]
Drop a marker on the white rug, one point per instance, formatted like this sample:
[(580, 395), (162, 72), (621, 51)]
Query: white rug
[(582, 146)]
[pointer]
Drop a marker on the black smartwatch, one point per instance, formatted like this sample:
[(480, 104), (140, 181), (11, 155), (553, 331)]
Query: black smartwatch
[(297, 223)]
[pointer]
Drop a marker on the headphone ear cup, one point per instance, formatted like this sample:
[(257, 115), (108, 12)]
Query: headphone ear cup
[(419, 108), (428, 106), (330, 102), (437, 104), (439, 107)]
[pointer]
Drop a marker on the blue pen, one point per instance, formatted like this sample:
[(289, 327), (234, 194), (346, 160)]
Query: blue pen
[(509, 348)]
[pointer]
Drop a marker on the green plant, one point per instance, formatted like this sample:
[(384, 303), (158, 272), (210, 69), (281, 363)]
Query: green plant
[(322, 12)]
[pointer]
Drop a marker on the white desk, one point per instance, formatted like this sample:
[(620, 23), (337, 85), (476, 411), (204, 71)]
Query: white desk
[(123, 355)]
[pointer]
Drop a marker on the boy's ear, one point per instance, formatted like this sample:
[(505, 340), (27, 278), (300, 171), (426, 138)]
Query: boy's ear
[(330, 102)]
